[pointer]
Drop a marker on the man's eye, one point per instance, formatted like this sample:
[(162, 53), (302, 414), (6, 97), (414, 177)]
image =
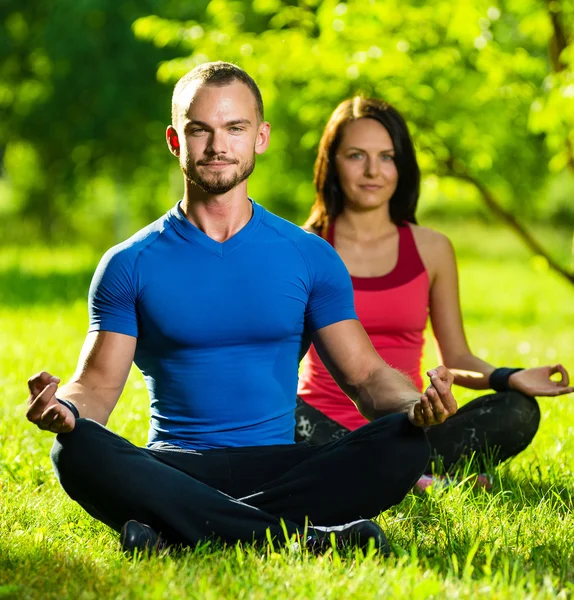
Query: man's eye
[(197, 130), (236, 129)]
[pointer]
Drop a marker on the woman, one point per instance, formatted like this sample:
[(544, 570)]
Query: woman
[(367, 188)]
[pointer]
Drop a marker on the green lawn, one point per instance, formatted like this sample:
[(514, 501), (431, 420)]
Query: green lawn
[(513, 542)]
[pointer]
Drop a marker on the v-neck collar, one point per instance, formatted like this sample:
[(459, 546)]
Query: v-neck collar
[(192, 233)]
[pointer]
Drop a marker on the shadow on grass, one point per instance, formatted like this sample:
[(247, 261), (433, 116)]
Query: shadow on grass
[(476, 541), (524, 487), (527, 490), (466, 528), (477, 559), (18, 288), (43, 573)]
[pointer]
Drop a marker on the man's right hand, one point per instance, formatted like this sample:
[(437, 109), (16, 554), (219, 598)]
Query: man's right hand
[(43, 408)]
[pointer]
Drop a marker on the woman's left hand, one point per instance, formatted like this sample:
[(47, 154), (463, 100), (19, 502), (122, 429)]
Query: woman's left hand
[(536, 381)]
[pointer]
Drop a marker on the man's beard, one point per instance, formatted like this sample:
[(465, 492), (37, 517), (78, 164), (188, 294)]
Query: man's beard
[(218, 183)]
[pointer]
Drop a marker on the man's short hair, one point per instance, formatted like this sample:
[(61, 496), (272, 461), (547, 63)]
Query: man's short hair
[(216, 74)]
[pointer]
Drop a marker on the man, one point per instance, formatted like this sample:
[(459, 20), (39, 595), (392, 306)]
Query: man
[(211, 302)]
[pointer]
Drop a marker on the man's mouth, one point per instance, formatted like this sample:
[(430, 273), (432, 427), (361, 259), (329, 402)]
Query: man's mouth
[(216, 163)]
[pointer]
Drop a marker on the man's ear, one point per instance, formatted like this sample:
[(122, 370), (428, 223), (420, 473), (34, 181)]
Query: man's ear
[(262, 141), (172, 140)]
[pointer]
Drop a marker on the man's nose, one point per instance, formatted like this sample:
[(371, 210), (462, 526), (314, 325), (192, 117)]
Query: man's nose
[(217, 142)]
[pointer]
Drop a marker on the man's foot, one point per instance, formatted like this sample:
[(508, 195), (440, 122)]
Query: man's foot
[(138, 536), (357, 534)]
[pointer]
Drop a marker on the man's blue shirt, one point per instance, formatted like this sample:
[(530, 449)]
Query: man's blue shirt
[(219, 325)]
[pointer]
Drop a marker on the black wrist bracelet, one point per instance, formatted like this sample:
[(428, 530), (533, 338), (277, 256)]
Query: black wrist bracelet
[(71, 406), (498, 379)]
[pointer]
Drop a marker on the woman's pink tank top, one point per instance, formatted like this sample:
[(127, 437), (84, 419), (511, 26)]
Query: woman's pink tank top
[(393, 309)]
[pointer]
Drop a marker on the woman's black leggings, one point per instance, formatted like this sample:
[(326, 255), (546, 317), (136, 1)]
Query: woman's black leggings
[(491, 428)]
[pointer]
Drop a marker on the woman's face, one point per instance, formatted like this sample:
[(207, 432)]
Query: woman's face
[(366, 166)]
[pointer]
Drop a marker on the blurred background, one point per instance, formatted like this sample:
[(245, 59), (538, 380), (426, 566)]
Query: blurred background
[(487, 88)]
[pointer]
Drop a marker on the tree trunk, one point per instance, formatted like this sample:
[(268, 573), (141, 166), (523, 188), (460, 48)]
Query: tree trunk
[(496, 207)]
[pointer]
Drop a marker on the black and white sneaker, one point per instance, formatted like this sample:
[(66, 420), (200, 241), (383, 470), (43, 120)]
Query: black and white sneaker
[(136, 536), (357, 534)]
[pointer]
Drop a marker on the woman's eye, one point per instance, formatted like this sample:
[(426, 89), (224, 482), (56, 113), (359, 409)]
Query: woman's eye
[(388, 158), (355, 155)]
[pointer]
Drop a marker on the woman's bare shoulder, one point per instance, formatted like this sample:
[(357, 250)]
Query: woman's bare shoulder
[(430, 238), (434, 247)]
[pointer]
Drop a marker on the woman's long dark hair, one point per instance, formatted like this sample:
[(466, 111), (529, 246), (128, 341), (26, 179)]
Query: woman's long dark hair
[(329, 198)]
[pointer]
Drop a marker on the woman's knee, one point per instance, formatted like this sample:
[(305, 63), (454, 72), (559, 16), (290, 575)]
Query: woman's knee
[(523, 414)]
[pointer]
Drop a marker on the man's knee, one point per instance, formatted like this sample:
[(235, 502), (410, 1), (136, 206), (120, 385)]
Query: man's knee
[(398, 426), (413, 444), (399, 453), (71, 451), (401, 442)]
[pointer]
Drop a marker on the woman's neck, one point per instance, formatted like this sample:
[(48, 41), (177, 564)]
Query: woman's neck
[(365, 226)]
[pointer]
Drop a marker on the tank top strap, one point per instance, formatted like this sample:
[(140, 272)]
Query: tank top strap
[(330, 236), (409, 263)]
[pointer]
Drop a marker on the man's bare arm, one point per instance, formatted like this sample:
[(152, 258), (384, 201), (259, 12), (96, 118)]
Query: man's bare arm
[(103, 368), (377, 388)]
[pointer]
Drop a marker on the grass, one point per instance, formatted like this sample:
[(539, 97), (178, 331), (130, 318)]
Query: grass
[(513, 542)]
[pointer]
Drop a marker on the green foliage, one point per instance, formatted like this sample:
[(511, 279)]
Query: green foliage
[(472, 78), (514, 542), (80, 105), (486, 86)]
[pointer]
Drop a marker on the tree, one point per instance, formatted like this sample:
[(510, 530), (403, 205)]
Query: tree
[(483, 95), (80, 110)]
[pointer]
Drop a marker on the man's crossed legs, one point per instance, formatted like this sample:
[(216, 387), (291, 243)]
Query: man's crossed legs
[(236, 494)]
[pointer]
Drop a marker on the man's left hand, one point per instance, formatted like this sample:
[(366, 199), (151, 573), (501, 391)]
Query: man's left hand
[(437, 404)]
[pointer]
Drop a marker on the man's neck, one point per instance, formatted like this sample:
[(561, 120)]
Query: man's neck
[(220, 217)]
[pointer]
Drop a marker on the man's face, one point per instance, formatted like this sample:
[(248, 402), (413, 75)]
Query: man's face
[(220, 136)]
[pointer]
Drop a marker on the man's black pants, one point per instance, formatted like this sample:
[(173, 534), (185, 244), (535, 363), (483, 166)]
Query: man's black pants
[(238, 493)]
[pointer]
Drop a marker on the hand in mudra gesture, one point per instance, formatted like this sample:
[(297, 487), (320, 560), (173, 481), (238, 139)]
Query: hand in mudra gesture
[(437, 403), (537, 381), (44, 410)]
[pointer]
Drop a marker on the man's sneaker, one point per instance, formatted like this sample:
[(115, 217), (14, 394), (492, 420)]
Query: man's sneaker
[(136, 536), (357, 534)]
